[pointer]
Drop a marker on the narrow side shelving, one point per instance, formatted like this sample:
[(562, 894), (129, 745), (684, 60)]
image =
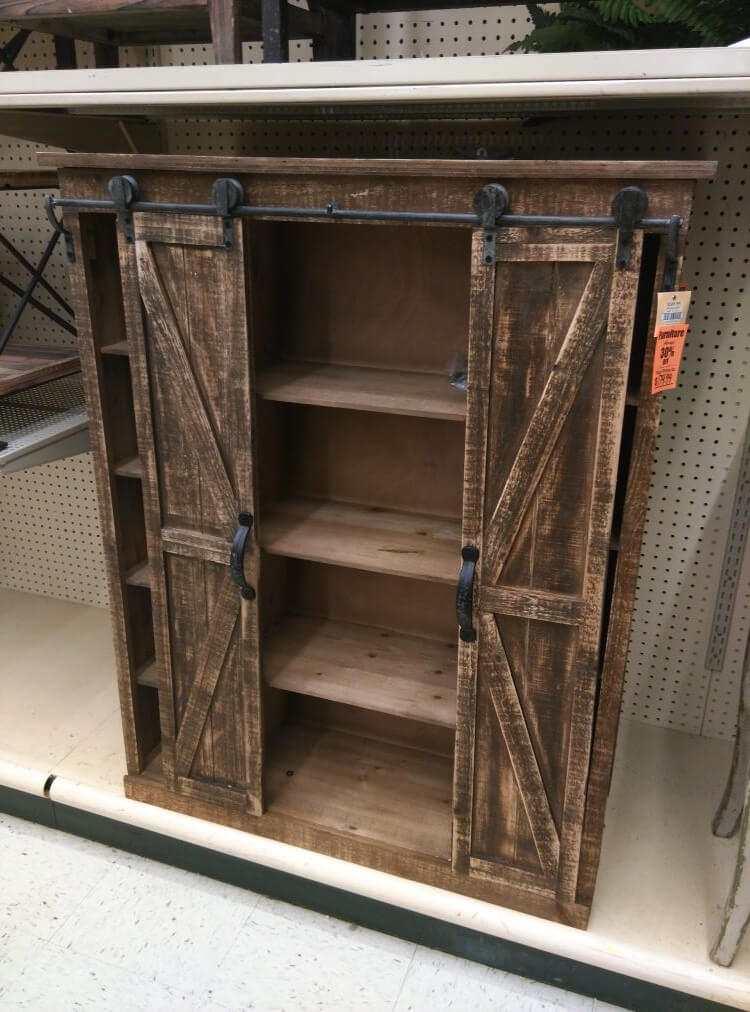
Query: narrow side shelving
[(115, 348), (148, 674), (139, 575), (129, 467), (106, 358)]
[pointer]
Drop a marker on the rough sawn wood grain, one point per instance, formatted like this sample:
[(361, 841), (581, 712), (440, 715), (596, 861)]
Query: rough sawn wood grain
[(334, 710)]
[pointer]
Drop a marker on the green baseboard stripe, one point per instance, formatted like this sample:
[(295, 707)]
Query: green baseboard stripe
[(548, 968), (32, 807)]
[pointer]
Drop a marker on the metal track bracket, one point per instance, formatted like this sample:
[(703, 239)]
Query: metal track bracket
[(628, 208), (124, 192), (227, 195), (490, 204), (60, 229)]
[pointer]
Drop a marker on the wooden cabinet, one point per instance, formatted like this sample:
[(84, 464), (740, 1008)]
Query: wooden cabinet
[(279, 396)]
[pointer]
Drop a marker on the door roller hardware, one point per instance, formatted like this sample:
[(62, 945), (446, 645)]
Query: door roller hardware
[(491, 204)]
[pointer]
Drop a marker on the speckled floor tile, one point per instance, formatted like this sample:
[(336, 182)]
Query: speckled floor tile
[(58, 981), (118, 933), (437, 982), (17, 950), (45, 875), (171, 925), (292, 960)]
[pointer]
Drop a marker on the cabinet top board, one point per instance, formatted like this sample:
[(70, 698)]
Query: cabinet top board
[(480, 168)]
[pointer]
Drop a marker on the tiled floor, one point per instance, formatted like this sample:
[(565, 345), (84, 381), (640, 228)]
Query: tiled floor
[(84, 926)]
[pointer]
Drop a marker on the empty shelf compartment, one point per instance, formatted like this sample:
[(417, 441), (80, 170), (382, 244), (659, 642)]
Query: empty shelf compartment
[(397, 796)]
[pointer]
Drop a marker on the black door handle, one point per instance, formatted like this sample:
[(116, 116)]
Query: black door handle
[(237, 555), (465, 594)]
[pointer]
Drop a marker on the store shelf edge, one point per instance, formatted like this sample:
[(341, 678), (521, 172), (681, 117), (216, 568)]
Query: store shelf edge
[(512, 957)]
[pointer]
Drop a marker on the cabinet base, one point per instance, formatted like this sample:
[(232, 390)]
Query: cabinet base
[(152, 789)]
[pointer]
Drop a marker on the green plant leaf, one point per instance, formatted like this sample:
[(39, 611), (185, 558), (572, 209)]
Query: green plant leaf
[(625, 12), (641, 24), (539, 17), (578, 12)]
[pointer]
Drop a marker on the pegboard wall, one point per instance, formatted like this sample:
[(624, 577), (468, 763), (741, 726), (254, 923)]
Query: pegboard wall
[(53, 545), (703, 421), (23, 221)]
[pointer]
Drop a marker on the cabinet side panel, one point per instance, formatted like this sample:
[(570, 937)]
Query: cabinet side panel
[(626, 573)]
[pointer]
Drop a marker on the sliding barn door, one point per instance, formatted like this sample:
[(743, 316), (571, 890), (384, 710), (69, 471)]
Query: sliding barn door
[(196, 363), (549, 347)]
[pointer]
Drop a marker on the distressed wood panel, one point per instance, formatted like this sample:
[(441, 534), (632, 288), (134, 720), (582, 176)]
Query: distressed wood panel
[(526, 169), (534, 604), (518, 742), (561, 336), (199, 376), (478, 378), (547, 420), (604, 473), (180, 230), (626, 572), (204, 625), (184, 368)]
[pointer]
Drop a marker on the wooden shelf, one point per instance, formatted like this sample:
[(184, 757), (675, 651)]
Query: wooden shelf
[(383, 390), (139, 576), (22, 367), (132, 467), (363, 537), (148, 674), (365, 788), (375, 669), (116, 348)]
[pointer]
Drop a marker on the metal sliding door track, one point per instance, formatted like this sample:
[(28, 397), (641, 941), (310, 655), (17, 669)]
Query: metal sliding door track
[(490, 212)]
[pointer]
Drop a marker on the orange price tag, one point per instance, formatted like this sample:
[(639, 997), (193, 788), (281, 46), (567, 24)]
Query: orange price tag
[(669, 338), (667, 354)]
